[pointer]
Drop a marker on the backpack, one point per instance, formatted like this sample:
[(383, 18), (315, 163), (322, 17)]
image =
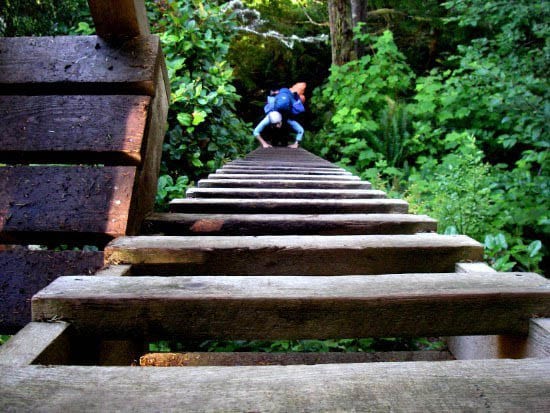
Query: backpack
[(284, 102)]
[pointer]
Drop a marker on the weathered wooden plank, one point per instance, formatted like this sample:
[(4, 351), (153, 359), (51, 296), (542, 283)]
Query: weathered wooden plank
[(73, 129), (146, 182), (538, 342), (120, 18), (114, 271), (291, 224), (499, 385), (299, 307), (485, 347), (284, 359), (288, 206), (285, 177), (23, 273), (283, 171), (280, 163), (294, 255), (284, 193), (37, 343), (79, 65), (47, 204), (282, 183)]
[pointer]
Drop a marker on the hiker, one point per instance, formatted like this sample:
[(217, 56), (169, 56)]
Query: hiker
[(281, 108), (275, 130)]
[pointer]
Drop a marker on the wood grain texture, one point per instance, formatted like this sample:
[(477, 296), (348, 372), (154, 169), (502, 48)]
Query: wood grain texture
[(288, 206), (499, 385), (538, 343), (282, 183), (283, 170), (292, 224), (119, 18), (47, 203), (306, 177), (268, 307), (284, 359), (147, 175), (73, 129), (37, 343), (23, 273), (79, 65), (294, 255), (284, 193)]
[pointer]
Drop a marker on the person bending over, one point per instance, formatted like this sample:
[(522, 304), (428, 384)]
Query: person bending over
[(274, 130)]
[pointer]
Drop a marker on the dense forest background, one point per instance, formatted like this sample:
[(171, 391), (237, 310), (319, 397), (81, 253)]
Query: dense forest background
[(442, 103)]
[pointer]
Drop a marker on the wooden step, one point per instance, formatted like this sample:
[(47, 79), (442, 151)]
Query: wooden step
[(282, 183), (24, 272), (283, 171), (280, 163), (285, 176), (66, 65), (293, 255), (42, 129), (288, 206), (255, 224), (270, 307), (48, 204), (284, 193), (496, 385), (284, 359)]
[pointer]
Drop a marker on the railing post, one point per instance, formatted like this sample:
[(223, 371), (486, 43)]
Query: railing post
[(114, 18)]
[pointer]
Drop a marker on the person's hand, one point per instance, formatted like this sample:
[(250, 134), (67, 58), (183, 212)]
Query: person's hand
[(294, 145), (266, 145)]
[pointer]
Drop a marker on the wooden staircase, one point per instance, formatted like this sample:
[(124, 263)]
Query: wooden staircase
[(278, 245)]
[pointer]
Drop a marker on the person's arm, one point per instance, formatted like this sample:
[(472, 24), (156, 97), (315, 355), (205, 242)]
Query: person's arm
[(297, 128), (258, 130)]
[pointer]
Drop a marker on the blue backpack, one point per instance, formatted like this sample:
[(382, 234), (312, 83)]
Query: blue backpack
[(285, 103)]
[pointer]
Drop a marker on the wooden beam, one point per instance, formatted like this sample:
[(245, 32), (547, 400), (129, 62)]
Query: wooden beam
[(38, 343), (296, 176), (284, 359), (23, 273), (119, 18), (283, 171), (289, 206), (56, 204), (499, 385), (282, 183), (73, 129), (538, 342), (284, 193), (298, 307), (79, 65), (294, 255), (292, 224)]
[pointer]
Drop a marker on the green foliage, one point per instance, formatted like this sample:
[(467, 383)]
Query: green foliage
[(4, 338), (167, 190), (303, 346), (40, 17), (363, 124), (203, 127)]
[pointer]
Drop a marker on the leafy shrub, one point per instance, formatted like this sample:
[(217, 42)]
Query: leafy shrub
[(203, 127)]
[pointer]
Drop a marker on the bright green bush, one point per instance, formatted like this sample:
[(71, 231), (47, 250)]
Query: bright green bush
[(204, 129)]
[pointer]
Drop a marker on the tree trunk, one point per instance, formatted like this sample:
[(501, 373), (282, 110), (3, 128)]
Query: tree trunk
[(341, 34), (358, 15)]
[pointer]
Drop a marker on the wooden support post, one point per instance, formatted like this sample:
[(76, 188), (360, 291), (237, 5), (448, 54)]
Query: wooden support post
[(38, 343), (119, 18), (537, 344)]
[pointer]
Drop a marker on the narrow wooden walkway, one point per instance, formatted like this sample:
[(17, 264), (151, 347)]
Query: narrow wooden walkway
[(269, 262), (278, 245)]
